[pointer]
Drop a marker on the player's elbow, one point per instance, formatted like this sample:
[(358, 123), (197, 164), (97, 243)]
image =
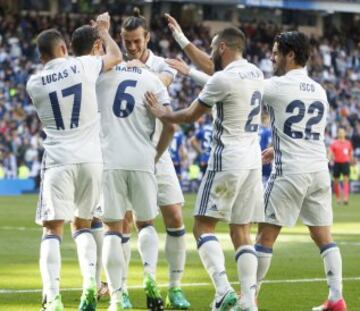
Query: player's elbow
[(170, 128)]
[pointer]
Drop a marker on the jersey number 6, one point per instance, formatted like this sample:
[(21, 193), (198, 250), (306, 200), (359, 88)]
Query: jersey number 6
[(124, 103)]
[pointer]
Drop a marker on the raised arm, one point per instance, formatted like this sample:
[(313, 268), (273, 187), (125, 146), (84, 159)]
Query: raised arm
[(197, 56), (198, 76), (113, 55)]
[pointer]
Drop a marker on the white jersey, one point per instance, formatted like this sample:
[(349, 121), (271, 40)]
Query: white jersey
[(298, 108), (126, 125), (158, 65), (235, 94), (64, 97)]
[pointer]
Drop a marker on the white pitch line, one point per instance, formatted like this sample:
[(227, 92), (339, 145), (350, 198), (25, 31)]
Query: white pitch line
[(27, 291)]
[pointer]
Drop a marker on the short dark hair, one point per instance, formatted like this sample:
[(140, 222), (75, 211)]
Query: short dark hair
[(135, 21), (83, 39), (233, 37), (294, 41), (47, 40)]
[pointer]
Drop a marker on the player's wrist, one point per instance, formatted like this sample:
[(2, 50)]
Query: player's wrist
[(181, 39)]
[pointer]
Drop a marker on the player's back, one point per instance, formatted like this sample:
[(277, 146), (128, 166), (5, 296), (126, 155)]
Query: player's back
[(204, 135), (65, 100), (126, 125), (235, 94), (298, 108)]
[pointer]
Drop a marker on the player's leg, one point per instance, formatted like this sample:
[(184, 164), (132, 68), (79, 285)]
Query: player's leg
[(86, 251), (247, 208), (145, 209), (175, 251), (346, 183), (265, 240), (331, 256), (316, 213), (115, 190), (247, 263), (170, 200), (336, 175), (50, 264), (210, 207), (87, 193), (54, 207), (213, 260), (126, 246), (97, 230), (283, 198)]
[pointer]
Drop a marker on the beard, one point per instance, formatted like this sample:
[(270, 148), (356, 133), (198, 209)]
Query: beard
[(279, 68), (217, 63)]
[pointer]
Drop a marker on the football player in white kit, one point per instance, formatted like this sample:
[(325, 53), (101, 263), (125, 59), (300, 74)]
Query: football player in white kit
[(136, 35), (298, 107), (299, 185), (65, 100), (230, 187), (129, 172)]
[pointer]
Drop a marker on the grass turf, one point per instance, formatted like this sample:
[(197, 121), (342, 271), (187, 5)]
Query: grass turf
[(295, 258)]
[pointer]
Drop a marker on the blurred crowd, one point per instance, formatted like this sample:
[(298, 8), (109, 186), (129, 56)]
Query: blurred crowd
[(335, 63)]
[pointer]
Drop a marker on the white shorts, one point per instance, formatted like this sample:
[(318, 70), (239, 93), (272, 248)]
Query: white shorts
[(68, 191), (169, 190), (232, 196), (305, 195), (121, 187)]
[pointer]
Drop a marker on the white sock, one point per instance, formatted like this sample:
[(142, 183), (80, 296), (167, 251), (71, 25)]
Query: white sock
[(331, 256), (175, 251), (126, 247), (114, 262), (50, 265), (213, 259), (247, 264), (264, 255), (148, 244), (86, 250), (98, 234)]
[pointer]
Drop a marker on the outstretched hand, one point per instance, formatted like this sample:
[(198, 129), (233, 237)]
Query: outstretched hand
[(172, 23), (179, 65), (153, 106), (102, 22)]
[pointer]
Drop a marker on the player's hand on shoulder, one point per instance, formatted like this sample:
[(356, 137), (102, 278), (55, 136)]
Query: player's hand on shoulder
[(179, 65), (267, 155), (153, 106)]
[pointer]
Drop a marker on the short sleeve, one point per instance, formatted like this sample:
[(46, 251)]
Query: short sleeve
[(93, 65), (166, 69), (270, 88), (162, 94), (214, 90)]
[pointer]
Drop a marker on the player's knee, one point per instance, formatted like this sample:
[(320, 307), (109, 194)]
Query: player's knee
[(174, 220), (55, 227), (143, 224)]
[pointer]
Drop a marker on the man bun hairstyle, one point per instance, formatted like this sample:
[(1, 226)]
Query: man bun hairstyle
[(294, 41), (135, 21)]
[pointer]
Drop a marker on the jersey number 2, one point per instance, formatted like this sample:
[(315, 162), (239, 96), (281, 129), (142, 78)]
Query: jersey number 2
[(255, 101), (55, 106), (124, 103)]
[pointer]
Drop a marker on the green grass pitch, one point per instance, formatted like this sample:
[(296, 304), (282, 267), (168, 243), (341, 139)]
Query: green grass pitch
[(295, 278)]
